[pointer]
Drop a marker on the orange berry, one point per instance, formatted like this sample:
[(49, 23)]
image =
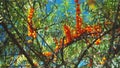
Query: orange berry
[(67, 33), (31, 10), (57, 48), (29, 33), (78, 22), (36, 64), (47, 54), (89, 29), (102, 62), (34, 34), (29, 20), (74, 34), (66, 41), (98, 41), (29, 16), (97, 28), (104, 59)]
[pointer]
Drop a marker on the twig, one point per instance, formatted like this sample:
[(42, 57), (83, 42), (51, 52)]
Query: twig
[(62, 53), (17, 43), (90, 45), (46, 43)]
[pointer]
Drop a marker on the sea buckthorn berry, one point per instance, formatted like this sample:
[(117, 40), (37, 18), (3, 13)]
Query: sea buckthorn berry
[(47, 54), (98, 41)]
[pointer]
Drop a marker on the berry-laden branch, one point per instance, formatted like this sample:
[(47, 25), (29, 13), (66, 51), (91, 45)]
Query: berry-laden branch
[(79, 31), (31, 28)]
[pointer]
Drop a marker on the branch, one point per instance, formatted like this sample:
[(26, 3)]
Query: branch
[(90, 45), (62, 53), (17, 43)]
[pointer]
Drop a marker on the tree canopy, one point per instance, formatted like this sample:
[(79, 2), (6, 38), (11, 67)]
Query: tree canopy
[(60, 33)]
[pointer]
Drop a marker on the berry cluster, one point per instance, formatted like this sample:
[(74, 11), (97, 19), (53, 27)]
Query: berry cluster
[(31, 29)]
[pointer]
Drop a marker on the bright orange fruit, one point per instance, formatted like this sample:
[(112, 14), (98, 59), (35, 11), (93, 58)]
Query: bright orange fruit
[(67, 33), (98, 41), (47, 54)]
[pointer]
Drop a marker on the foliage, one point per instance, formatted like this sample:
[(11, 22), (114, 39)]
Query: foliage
[(59, 33)]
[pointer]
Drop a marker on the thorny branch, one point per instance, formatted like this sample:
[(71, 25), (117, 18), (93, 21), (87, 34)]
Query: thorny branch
[(17, 43)]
